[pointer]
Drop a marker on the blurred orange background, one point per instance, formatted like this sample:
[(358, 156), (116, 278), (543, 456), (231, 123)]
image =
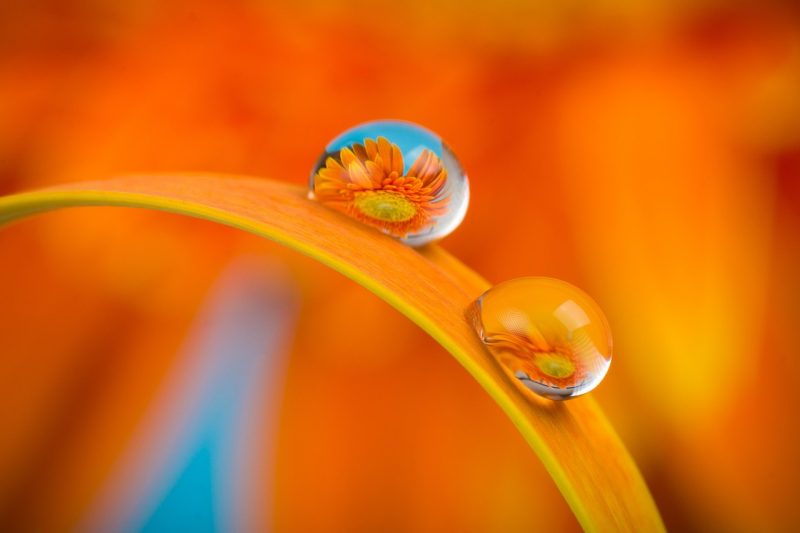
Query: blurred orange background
[(648, 152)]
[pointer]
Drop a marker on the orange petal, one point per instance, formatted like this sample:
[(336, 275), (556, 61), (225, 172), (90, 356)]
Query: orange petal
[(419, 163), (335, 173), (371, 148), (385, 153), (358, 175), (360, 151), (431, 169), (438, 182), (376, 173), (397, 160), (333, 164), (347, 157)]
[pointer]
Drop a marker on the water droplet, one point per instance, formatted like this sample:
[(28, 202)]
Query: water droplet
[(549, 335), (395, 176)]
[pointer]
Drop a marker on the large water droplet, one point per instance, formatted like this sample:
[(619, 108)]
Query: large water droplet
[(395, 176), (548, 335)]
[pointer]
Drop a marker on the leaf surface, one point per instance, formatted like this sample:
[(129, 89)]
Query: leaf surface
[(577, 445)]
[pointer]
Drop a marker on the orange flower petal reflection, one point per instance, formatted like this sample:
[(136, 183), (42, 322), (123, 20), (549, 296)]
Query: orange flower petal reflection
[(367, 182)]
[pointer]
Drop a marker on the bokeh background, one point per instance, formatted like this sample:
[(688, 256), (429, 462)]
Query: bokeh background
[(648, 152)]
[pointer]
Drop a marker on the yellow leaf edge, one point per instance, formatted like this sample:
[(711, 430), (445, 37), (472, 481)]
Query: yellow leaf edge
[(627, 507)]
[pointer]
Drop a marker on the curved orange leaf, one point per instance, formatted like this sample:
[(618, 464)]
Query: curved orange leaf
[(573, 439)]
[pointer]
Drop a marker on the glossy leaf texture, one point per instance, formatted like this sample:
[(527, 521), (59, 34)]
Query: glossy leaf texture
[(574, 440)]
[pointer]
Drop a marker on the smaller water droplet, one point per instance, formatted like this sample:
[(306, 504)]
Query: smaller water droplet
[(548, 335)]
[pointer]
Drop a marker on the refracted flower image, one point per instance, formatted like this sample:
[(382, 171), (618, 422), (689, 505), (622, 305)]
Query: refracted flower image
[(549, 335), (395, 176)]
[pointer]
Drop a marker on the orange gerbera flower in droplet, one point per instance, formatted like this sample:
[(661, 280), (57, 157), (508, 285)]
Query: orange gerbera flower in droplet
[(368, 183), (554, 363), (538, 350)]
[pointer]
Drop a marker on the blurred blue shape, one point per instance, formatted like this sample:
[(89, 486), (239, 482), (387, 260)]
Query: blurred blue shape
[(189, 504), (190, 465)]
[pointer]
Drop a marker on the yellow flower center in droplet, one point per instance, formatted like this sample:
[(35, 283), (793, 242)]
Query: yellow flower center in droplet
[(385, 206), (554, 365)]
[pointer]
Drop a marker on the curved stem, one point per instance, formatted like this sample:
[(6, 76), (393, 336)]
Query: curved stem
[(573, 439)]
